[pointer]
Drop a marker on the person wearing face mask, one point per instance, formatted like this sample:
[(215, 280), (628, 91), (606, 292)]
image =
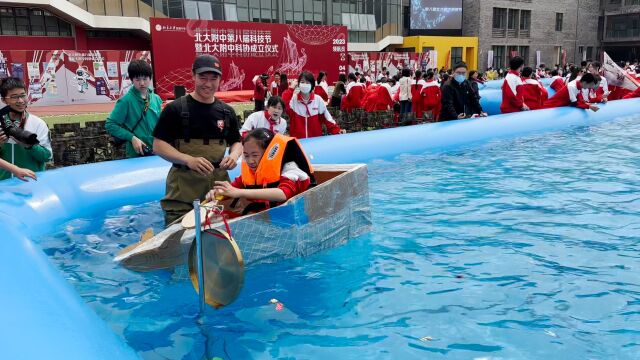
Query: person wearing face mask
[(270, 119), (308, 112), (459, 101), (29, 157)]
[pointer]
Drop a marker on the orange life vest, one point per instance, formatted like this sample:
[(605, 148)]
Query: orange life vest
[(281, 148)]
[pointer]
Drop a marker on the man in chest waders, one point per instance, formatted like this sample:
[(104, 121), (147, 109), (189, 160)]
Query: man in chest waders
[(193, 133)]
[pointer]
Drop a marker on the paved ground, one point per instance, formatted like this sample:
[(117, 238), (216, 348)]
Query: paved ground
[(71, 109)]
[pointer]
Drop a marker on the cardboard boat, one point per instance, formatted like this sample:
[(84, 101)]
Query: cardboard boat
[(323, 217)]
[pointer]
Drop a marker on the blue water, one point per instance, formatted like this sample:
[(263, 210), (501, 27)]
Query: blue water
[(519, 249)]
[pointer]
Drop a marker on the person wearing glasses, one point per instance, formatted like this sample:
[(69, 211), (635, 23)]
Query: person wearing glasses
[(136, 114), (19, 155), (459, 101)]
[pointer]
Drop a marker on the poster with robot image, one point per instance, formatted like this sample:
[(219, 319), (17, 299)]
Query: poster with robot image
[(58, 77)]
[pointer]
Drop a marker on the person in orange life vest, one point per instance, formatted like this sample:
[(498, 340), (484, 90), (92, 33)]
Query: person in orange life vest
[(308, 111), (274, 169), (269, 119), (260, 91), (355, 94), (416, 99), (572, 95), (601, 93), (557, 82), (512, 96), (322, 88), (431, 95), (275, 84), (534, 94)]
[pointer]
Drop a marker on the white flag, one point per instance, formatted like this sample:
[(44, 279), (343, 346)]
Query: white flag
[(616, 76), (489, 59)]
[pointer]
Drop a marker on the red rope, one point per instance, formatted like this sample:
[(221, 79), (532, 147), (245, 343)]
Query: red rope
[(207, 221)]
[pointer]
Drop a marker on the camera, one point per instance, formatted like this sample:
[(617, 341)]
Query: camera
[(15, 132), (146, 151)]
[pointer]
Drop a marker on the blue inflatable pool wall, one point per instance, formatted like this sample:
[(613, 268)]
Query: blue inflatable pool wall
[(44, 318)]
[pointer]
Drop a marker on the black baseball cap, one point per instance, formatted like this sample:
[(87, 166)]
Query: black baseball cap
[(206, 63)]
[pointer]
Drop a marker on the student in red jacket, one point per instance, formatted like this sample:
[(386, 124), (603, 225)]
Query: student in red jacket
[(557, 82), (512, 96), (431, 95), (531, 89), (572, 95), (601, 93), (308, 111), (632, 95), (260, 92), (417, 103), (355, 94)]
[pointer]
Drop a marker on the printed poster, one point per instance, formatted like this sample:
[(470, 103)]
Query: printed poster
[(114, 86), (17, 71), (33, 70), (98, 69), (112, 69), (101, 87), (124, 68)]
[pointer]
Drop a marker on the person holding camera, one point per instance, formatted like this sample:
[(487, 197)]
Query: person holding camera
[(24, 137), (136, 114)]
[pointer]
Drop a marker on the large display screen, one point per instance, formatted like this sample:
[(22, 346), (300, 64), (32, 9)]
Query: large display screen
[(436, 14)]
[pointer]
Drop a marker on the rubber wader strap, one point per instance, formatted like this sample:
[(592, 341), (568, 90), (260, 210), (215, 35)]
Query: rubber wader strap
[(184, 116)]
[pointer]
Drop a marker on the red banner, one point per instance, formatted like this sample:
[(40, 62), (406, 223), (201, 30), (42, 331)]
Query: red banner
[(245, 50), (58, 77)]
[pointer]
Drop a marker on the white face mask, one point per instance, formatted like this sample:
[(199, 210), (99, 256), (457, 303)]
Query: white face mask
[(305, 88)]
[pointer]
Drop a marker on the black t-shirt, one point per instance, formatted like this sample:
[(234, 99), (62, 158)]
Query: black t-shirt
[(205, 122)]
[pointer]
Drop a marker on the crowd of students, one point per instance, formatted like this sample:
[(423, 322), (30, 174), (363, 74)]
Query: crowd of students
[(441, 94)]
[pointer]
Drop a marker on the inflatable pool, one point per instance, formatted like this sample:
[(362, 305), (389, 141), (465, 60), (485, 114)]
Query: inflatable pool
[(44, 318), (491, 95)]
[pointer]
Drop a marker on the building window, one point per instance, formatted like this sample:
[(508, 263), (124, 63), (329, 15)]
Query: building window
[(525, 23), (31, 22), (512, 23), (303, 12), (498, 56), (499, 21), (524, 53), (456, 55), (499, 18), (580, 49), (559, 21), (589, 53)]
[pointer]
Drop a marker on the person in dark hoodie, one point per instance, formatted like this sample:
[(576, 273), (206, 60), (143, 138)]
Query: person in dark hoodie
[(459, 101)]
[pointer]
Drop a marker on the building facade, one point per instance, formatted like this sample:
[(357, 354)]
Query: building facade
[(619, 29), (123, 24), (558, 30), (542, 31)]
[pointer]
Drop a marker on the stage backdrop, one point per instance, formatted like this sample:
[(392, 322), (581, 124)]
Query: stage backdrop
[(61, 77), (245, 50), (373, 62)]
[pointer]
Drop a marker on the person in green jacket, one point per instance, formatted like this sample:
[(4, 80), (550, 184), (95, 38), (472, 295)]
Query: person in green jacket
[(136, 114), (13, 151)]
